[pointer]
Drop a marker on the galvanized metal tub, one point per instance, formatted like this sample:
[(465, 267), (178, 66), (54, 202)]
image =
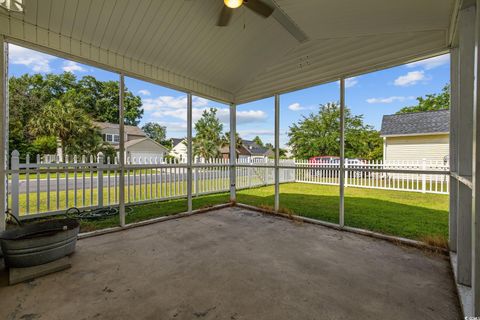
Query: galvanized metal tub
[(39, 243)]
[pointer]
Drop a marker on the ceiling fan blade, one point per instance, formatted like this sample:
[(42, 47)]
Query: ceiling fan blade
[(225, 16), (259, 7)]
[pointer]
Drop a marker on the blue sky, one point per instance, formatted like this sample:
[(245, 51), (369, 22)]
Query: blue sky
[(373, 95)]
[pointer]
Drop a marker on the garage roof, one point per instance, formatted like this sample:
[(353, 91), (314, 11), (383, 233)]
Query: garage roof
[(176, 42), (429, 122)]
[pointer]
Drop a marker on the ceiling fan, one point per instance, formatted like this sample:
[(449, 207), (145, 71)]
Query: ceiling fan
[(256, 6)]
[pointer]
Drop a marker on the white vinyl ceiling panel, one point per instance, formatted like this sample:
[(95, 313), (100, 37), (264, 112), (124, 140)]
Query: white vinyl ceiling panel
[(324, 19), (176, 42)]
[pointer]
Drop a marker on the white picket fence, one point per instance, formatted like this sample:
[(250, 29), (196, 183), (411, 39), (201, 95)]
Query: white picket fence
[(50, 187), (427, 176)]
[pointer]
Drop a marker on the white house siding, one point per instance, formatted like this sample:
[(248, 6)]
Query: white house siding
[(179, 151), (429, 147), (146, 149)]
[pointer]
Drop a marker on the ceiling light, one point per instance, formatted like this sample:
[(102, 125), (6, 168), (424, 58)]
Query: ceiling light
[(12, 5), (233, 3)]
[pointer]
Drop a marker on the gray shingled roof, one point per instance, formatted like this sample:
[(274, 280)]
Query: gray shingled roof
[(416, 123), (133, 130), (254, 148)]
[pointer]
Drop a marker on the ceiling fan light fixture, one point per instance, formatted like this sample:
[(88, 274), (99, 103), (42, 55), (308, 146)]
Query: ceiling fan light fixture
[(12, 5), (233, 3)]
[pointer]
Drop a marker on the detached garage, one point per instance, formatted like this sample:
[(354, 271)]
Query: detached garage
[(144, 150), (416, 136)]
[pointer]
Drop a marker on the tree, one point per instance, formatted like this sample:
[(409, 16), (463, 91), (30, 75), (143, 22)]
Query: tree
[(101, 100), (45, 145), (319, 135), (431, 102), (207, 139), (155, 132), (258, 141), (70, 125), (30, 94)]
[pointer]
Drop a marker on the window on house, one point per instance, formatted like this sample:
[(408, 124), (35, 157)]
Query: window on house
[(115, 138)]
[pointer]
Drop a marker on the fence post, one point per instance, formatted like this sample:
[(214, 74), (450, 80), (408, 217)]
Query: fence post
[(100, 179), (249, 172), (265, 178), (15, 165), (195, 177), (424, 176), (345, 165)]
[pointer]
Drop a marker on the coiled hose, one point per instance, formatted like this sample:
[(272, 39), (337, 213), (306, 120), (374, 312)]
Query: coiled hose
[(94, 214)]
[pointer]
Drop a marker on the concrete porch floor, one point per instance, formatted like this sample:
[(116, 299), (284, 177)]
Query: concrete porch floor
[(238, 264)]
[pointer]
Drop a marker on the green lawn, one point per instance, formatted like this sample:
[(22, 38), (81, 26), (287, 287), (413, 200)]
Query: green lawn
[(406, 214)]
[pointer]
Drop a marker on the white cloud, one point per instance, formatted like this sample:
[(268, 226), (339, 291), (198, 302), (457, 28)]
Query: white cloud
[(351, 82), (389, 99), (170, 102), (37, 61), (298, 107), (411, 78), (431, 63), (295, 107), (251, 116), (176, 107), (144, 92), (253, 133), (71, 66)]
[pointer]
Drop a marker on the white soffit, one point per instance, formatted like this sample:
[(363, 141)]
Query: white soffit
[(176, 42)]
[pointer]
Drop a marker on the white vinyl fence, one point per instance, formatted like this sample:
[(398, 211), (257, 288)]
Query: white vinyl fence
[(426, 176), (48, 186)]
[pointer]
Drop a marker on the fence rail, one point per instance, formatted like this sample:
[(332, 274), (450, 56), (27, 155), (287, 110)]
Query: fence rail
[(50, 187)]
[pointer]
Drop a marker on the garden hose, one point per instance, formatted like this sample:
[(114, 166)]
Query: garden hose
[(94, 214)]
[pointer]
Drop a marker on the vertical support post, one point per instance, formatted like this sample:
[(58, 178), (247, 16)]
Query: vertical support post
[(15, 166), (465, 129), (341, 208), (233, 152), (121, 149), (277, 153), (476, 173), (3, 129), (100, 160), (454, 110), (189, 153)]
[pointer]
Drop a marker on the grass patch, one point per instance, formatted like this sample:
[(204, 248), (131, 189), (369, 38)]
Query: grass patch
[(411, 215)]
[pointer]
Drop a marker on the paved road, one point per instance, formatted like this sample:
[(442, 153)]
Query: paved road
[(92, 183)]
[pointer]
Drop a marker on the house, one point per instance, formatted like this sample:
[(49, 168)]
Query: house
[(249, 149), (242, 152), (416, 136), (138, 146), (179, 149)]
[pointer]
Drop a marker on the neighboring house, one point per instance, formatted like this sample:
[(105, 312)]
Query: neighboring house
[(144, 150), (111, 132), (179, 149), (416, 136), (137, 145), (250, 150), (242, 152)]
